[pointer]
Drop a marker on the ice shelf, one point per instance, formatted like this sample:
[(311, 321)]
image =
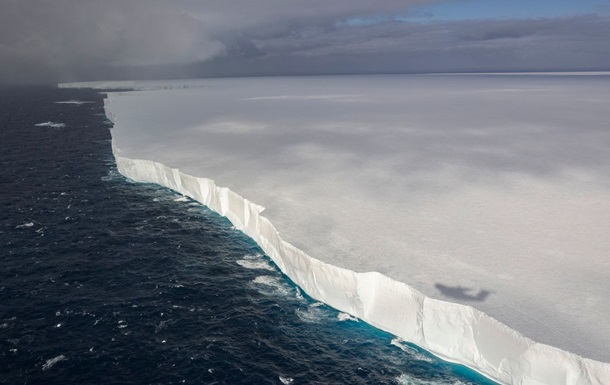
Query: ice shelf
[(487, 191)]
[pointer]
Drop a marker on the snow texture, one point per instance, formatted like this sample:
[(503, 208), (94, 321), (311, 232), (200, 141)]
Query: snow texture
[(487, 191)]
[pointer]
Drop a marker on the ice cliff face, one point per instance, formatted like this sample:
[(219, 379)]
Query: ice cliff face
[(484, 182), (451, 331)]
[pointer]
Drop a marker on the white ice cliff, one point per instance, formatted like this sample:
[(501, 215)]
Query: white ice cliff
[(490, 192)]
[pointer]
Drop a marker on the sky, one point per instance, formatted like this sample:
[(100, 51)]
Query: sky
[(47, 41)]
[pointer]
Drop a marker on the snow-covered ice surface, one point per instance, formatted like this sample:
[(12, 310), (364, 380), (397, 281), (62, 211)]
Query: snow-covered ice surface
[(487, 191)]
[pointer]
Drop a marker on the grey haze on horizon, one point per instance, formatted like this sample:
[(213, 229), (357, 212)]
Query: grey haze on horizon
[(47, 41)]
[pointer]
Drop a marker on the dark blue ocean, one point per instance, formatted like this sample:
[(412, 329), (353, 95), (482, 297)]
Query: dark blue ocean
[(106, 281)]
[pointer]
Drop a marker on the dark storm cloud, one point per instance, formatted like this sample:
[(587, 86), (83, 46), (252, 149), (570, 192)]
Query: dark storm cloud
[(53, 38), (64, 39), (86, 39), (571, 34), (475, 45)]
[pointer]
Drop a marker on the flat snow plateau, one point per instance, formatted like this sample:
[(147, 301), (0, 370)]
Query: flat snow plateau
[(486, 190)]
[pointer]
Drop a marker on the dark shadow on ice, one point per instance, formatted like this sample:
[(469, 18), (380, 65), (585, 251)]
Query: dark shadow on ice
[(459, 292)]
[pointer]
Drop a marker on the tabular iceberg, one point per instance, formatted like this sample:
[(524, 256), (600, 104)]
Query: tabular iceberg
[(467, 182)]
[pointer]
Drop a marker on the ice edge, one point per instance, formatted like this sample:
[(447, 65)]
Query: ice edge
[(453, 332)]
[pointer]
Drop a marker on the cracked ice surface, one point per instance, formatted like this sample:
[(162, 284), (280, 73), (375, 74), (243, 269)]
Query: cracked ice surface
[(491, 191)]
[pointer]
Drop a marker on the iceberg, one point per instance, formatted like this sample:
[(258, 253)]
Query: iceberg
[(379, 190)]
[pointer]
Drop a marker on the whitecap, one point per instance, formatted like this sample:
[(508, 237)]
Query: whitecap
[(286, 380), (268, 281), (398, 342), (162, 325), (276, 285), (52, 361), (255, 262), (255, 265), (181, 199), (77, 102), (27, 224), (299, 295), (405, 379), (253, 256), (51, 124), (314, 313), (346, 317)]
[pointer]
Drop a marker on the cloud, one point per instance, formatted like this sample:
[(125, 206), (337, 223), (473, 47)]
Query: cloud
[(63, 40), (52, 38), (400, 37), (487, 45)]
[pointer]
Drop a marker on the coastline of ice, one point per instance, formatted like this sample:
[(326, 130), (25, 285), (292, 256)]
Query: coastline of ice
[(452, 331), (139, 85)]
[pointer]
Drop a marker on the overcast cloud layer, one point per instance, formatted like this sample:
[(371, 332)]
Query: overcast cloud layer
[(67, 40)]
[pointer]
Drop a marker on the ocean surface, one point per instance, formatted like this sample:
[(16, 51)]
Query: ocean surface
[(107, 281)]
